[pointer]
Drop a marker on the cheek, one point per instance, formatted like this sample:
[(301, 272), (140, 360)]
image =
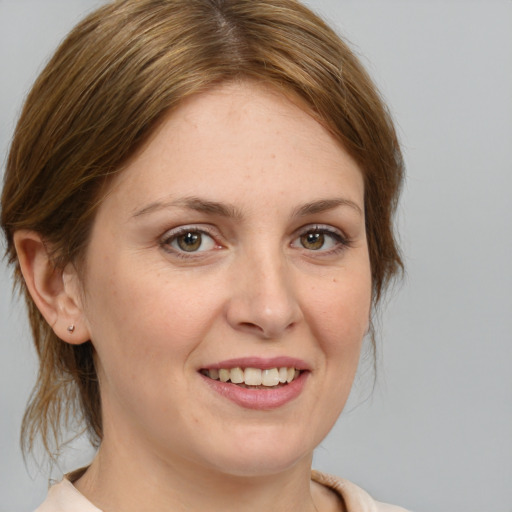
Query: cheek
[(137, 314), (341, 311), (340, 320), (338, 312)]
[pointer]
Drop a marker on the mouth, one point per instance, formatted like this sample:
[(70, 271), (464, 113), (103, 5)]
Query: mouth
[(254, 378), (257, 383)]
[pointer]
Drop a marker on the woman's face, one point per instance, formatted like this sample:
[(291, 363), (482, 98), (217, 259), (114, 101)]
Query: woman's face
[(232, 247)]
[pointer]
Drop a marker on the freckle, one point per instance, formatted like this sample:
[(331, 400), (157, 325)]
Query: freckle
[(272, 155), (333, 279)]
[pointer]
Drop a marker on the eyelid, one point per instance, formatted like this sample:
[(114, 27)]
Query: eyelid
[(171, 234), (343, 241), (321, 228)]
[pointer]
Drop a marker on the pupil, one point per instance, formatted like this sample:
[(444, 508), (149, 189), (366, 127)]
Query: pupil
[(190, 241), (313, 241)]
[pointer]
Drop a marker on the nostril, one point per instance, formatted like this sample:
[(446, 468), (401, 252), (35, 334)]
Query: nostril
[(267, 331), (251, 326), (267, 315)]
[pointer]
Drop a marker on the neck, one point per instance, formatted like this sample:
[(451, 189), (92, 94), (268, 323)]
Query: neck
[(129, 480)]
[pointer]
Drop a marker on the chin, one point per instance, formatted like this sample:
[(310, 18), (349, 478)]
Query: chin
[(258, 466), (257, 452)]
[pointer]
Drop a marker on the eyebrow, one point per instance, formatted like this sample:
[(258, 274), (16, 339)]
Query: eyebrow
[(230, 211), (325, 205), (192, 203)]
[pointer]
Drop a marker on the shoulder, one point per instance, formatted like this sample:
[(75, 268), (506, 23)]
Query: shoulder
[(355, 498), (64, 497)]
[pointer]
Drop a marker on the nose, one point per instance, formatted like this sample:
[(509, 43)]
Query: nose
[(264, 299)]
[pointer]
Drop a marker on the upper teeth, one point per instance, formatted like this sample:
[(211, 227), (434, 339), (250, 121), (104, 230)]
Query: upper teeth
[(254, 376)]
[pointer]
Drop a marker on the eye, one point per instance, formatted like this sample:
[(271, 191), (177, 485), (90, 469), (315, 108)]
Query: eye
[(188, 240), (321, 239)]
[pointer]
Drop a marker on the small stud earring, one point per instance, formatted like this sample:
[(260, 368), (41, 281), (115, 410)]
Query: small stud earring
[(71, 329)]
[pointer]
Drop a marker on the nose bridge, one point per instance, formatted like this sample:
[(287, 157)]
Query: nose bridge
[(264, 300)]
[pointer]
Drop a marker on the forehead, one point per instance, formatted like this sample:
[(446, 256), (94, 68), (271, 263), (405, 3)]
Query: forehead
[(238, 137)]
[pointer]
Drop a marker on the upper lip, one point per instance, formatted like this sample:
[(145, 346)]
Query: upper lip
[(259, 362)]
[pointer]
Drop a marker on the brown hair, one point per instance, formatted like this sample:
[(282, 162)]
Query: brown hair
[(100, 96)]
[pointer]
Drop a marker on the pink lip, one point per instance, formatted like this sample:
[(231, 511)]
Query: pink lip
[(261, 399), (260, 362)]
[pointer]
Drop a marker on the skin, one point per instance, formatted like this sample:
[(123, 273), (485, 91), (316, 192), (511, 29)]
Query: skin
[(255, 287)]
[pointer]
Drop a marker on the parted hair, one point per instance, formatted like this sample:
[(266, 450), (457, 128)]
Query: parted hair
[(115, 76)]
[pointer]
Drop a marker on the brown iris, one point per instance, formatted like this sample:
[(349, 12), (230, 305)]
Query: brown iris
[(190, 241), (312, 241)]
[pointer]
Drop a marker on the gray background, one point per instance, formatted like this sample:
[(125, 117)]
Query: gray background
[(436, 433)]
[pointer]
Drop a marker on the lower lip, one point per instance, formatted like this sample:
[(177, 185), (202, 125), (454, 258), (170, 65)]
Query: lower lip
[(260, 399)]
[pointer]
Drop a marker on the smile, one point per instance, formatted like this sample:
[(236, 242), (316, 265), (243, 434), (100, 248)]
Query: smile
[(254, 377), (257, 382)]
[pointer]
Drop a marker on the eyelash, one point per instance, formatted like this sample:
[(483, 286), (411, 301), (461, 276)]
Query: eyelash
[(173, 235), (341, 242)]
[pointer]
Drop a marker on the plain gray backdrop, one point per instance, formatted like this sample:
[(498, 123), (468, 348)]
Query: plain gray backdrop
[(436, 433)]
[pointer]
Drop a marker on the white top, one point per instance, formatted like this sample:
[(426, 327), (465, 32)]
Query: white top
[(64, 497)]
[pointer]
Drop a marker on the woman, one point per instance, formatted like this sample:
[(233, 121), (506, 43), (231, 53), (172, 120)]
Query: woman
[(198, 205)]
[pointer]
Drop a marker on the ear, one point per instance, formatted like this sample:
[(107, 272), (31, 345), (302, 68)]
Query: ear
[(56, 292)]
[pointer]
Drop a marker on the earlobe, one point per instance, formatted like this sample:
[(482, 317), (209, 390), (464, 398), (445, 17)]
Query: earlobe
[(56, 292)]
